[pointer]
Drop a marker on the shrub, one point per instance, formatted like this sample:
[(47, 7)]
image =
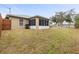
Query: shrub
[(77, 22)]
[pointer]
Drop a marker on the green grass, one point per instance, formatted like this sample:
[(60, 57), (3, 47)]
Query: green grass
[(57, 40)]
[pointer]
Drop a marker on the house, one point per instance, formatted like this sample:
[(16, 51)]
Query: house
[(22, 22)]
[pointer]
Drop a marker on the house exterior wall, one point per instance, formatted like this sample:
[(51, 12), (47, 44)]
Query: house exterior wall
[(24, 23), (15, 23), (40, 27), (37, 23), (43, 27), (32, 27)]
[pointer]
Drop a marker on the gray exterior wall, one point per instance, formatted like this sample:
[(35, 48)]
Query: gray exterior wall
[(15, 23)]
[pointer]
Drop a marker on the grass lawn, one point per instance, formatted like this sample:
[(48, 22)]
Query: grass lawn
[(40, 41)]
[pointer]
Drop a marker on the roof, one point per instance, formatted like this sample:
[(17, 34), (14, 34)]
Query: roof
[(17, 16), (37, 16), (25, 16)]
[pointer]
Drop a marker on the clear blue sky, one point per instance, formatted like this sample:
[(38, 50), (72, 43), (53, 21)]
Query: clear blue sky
[(46, 10)]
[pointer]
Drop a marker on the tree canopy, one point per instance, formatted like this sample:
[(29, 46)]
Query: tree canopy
[(61, 16), (77, 21)]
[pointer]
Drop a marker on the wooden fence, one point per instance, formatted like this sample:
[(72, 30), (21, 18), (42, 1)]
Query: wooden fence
[(5, 25)]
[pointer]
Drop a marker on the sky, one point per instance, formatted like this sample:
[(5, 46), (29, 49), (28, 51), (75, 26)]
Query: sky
[(46, 10)]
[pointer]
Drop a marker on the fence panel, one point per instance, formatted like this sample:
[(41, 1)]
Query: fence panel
[(6, 24)]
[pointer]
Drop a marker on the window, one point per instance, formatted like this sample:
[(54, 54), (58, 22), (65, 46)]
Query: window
[(43, 22), (47, 23), (32, 22), (21, 22)]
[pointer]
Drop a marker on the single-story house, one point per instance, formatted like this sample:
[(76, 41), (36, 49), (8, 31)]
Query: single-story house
[(22, 22)]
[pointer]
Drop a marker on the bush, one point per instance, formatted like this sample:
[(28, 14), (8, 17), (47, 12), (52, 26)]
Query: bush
[(27, 26), (77, 22)]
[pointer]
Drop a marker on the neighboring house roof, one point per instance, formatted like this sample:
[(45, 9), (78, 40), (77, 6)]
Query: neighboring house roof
[(37, 16), (17, 16)]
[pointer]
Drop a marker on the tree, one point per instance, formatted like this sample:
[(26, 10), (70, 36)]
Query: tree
[(77, 21), (68, 19), (69, 15), (71, 11), (60, 17), (54, 19)]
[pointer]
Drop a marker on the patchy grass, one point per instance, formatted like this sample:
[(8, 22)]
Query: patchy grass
[(60, 40)]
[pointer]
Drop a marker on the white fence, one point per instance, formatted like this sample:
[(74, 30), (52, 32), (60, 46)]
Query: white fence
[(63, 25)]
